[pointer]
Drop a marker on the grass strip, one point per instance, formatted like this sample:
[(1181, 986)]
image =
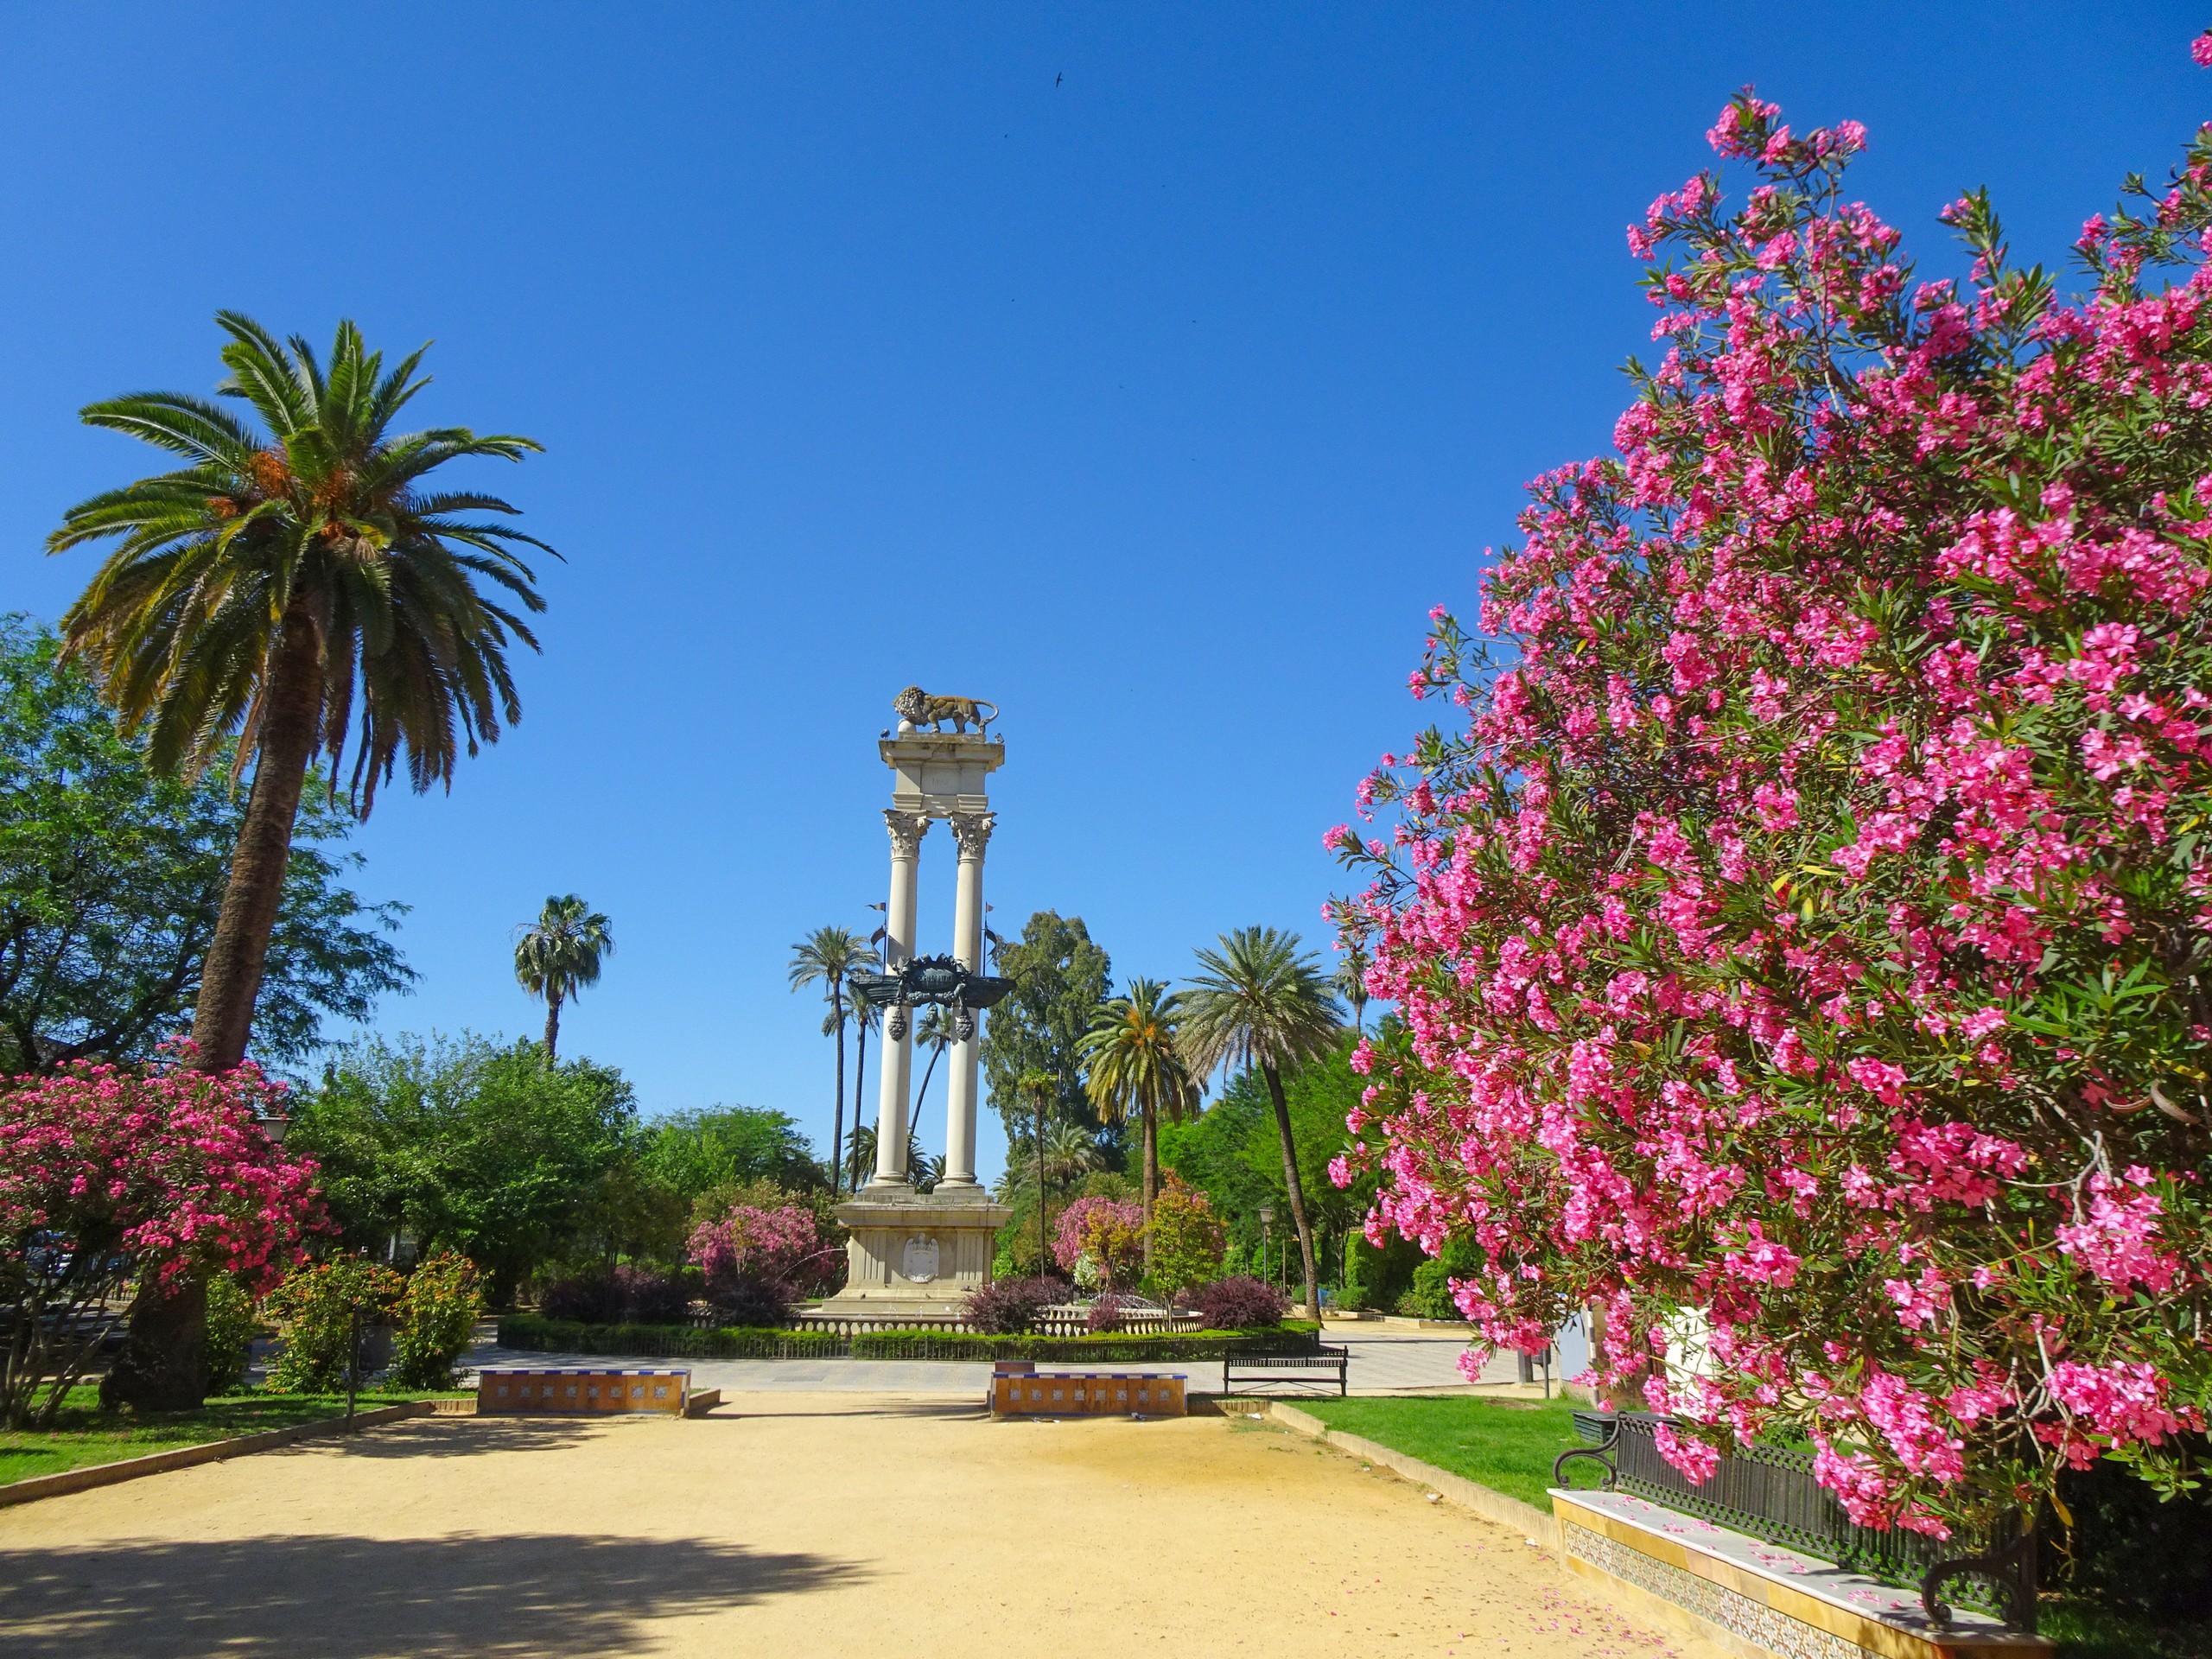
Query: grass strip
[(1505, 1444)]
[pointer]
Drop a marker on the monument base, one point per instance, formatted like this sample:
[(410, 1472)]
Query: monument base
[(916, 1254)]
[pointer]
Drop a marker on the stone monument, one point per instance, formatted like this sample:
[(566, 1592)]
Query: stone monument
[(917, 1255)]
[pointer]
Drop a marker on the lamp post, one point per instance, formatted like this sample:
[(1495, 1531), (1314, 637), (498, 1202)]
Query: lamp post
[(1267, 1221)]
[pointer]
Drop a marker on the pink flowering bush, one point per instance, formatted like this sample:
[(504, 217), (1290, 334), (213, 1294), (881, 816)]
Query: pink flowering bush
[(1100, 1242), (111, 1176), (1803, 928), (757, 1261)]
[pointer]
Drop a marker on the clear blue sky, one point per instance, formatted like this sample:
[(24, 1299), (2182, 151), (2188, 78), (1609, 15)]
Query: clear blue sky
[(1148, 370)]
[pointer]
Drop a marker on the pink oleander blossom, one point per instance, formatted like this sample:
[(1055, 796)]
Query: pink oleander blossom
[(1782, 919)]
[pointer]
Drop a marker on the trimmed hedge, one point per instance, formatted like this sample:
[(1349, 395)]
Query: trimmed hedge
[(531, 1334)]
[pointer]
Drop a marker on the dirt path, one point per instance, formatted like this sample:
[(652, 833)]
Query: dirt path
[(795, 1525)]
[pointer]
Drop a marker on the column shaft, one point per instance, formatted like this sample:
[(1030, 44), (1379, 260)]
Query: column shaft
[(895, 1073), (973, 832)]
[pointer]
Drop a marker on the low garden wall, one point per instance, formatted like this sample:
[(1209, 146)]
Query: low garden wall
[(529, 1333)]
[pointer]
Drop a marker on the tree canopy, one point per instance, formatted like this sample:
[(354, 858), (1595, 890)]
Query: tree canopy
[(1060, 976), (111, 880)]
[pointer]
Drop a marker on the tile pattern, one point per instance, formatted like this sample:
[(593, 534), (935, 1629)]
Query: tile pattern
[(1792, 1638)]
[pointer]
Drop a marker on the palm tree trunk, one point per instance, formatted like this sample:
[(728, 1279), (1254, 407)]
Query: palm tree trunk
[(552, 1025), (291, 722), (1297, 1193), (837, 1126), (860, 1099), (1044, 1250)]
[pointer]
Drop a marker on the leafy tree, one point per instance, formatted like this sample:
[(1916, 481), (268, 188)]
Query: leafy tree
[(1183, 1241), (1260, 1002), (111, 880), (1799, 919), (1131, 1064), (462, 1142), (559, 954), (690, 1152), (828, 956), (282, 578), (1059, 979)]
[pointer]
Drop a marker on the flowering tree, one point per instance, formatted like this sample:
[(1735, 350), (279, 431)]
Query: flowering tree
[(781, 1251), (1101, 1241), (110, 1177), (1801, 932)]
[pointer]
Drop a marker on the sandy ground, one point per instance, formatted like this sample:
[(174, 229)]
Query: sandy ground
[(789, 1525)]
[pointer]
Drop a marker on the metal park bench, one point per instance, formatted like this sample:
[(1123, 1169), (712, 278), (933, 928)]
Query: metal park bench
[(1299, 1370)]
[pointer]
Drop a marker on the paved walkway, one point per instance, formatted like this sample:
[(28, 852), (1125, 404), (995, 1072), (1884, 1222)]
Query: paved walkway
[(1382, 1361), (796, 1526)]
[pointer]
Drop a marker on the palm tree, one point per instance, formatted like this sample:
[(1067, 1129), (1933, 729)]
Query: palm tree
[(934, 1028), (1350, 983), (922, 1170), (559, 954), (867, 1017), (1261, 1001), (827, 957), (294, 584), (1130, 1062)]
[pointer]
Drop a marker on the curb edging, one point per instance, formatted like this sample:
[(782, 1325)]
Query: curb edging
[(186, 1457)]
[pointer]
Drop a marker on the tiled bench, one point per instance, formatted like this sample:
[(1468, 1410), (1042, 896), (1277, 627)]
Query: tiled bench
[(1085, 1393), (531, 1390)]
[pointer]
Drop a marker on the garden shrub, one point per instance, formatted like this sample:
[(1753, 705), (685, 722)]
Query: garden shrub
[(1107, 1314), (760, 1262), (437, 1315), (1186, 1237), (630, 1294), (1011, 1306), (1799, 931), (232, 1322), (316, 1310), (1240, 1303), (1100, 1242)]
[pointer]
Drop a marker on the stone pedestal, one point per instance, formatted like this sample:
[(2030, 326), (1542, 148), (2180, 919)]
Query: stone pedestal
[(915, 1255)]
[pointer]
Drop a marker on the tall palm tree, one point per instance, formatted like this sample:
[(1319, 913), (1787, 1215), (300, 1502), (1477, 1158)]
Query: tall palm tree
[(1261, 1001), (827, 957), (559, 954), (298, 585), (1350, 983), (867, 1017), (934, 1031), (1131, 1064)]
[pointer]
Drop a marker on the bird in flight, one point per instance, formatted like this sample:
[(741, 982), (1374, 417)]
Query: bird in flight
[(1058, 78)]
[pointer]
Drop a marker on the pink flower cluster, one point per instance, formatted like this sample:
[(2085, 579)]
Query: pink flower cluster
[(172, 1168), (1109, 1232), (1792, 937), (782, 1246)]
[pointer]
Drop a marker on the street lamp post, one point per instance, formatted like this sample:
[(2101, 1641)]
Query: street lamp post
[(1267, 1221)]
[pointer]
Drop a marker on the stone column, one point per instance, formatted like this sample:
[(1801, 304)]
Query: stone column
[(895, 1070), (972, 830)]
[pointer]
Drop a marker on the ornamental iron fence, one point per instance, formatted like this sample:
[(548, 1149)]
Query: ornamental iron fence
[(1770, 1492)]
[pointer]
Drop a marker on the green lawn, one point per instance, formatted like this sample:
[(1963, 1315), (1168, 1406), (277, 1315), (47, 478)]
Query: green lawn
[(84, 1434), (1507, 1446)]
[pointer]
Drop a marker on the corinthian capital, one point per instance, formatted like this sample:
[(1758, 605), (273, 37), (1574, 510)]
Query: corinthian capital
[(972, 831), (907, 830)]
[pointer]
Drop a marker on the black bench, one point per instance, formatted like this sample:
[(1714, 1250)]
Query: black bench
[(1299, 1370)]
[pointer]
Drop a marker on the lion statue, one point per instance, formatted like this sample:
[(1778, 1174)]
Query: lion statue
[(917, 706)]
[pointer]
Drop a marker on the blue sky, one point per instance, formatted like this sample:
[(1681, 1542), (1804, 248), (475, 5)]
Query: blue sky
[(1148, 370)]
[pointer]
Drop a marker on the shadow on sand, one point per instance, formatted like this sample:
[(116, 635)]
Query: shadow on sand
[(337, 1597)]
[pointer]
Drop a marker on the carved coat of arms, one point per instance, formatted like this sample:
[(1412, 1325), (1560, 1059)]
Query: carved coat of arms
[(919, 1263)]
